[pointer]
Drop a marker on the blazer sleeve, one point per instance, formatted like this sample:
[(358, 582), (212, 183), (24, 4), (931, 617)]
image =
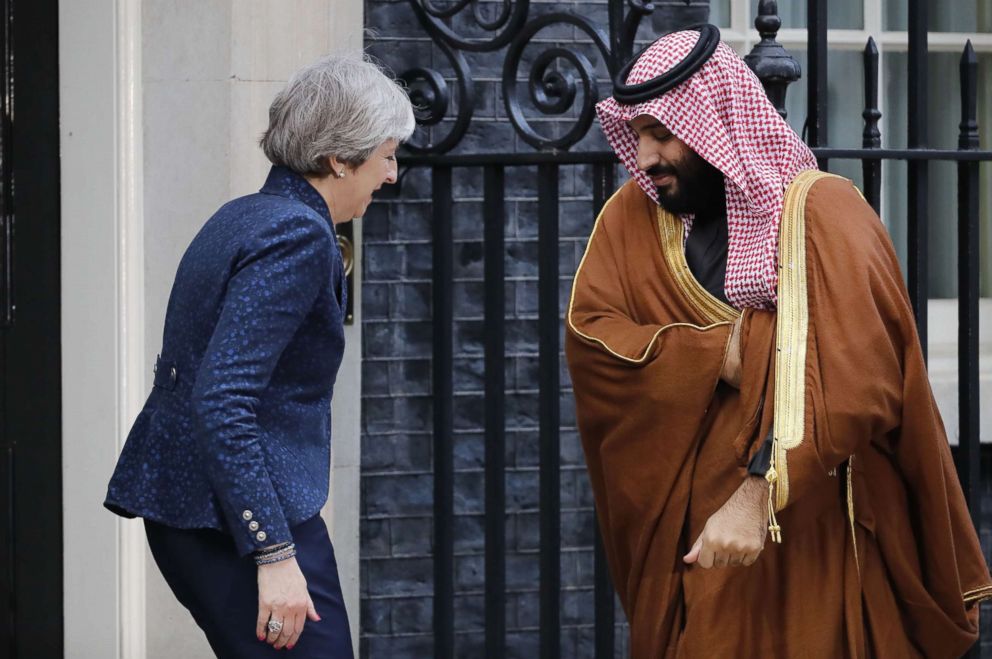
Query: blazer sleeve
[(273, 287)]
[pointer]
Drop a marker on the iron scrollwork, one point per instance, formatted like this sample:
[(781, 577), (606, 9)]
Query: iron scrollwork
[(552, 91), (431, 98), (560, 77)]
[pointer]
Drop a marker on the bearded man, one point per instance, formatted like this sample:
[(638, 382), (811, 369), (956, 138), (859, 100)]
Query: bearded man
[(746, 365)]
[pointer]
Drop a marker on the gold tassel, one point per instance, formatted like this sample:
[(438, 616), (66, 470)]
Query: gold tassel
[(850, 512), (772, 477)]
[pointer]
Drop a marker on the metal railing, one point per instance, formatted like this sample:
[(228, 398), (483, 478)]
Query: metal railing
[(554, 93)]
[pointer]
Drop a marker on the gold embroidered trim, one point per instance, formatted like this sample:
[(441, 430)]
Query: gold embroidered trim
[(792, 327), (672, 233), (978, 595), (571, 303), (850, 511), (983, 589)]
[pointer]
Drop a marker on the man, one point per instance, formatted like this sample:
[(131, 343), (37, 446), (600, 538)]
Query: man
[(746, 365)]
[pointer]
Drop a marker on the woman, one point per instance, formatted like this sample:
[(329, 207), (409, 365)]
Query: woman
[(228, 462)]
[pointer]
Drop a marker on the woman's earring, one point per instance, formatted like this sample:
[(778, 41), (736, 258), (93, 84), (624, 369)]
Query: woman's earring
[(341, 174)]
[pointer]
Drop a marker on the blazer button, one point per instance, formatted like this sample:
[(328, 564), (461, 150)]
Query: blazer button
[(253, 526), (260, 536), (173, 374), (246, 515)]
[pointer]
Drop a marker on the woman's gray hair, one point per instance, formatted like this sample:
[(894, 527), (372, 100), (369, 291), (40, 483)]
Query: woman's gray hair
[(341, 105)]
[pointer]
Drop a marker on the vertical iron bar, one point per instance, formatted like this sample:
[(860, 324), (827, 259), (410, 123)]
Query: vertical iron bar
[(7, 218), (969, 453), (604, 603), (617, 54), (605, 612), (969, 436), (8, 580), (872, 137), (8, 600), (549, 325), (918, 169), (443, 316), (817, 58), (493, 219)]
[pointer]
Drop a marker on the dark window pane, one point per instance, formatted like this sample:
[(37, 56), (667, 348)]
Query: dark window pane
[(944, 114), (720, 13), (957, 16), (842, 14)]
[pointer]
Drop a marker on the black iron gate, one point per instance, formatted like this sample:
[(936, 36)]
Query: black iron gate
[(445, 115)]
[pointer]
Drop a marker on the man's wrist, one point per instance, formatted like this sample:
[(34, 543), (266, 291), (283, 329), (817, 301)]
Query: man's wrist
[(754, 490)]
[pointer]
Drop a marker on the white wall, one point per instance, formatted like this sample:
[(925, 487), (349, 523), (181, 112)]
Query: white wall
[(92, 337), (163, 102)]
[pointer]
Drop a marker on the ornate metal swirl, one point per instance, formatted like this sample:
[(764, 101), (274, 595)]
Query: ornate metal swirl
[(510, 18), (553, 91), (431, 98), (446, 12), (560, 80)]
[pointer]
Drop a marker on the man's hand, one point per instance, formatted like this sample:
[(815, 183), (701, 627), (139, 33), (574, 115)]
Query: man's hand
[(735, 534), (731, 371)]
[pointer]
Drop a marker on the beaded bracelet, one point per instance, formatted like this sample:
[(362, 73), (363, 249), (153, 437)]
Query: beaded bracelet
[(275, 554), (273, 548)]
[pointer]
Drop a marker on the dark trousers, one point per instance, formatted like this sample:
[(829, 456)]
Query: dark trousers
[(220, 589)]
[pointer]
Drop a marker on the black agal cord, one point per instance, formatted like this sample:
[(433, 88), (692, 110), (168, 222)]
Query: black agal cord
[(709, 39)]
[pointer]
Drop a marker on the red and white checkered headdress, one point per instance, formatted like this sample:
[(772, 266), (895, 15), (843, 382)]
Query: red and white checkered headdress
[(722, 113)]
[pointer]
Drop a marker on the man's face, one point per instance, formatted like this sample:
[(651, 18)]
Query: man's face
[(686, 183)]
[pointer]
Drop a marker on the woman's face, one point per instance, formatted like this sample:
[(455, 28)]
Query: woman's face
[(368, 177)]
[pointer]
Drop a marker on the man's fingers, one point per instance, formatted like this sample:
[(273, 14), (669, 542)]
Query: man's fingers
[(749, 559), (693, 554), (719, 559), (735, 561), (705, 558), (263, 618)]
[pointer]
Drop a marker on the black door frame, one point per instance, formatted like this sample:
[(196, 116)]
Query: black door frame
[(31, 583)]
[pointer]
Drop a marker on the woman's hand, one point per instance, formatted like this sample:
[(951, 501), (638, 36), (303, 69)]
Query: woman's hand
[(283, 597)]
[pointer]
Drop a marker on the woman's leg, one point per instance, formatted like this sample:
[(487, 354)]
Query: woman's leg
[(220, 589)]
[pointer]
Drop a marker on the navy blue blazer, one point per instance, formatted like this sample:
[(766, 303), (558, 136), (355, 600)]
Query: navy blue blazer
[(236, 432)]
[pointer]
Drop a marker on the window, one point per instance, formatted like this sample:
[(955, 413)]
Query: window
[(850, 23)]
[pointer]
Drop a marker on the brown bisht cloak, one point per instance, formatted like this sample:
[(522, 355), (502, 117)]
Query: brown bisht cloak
[(878, 557)]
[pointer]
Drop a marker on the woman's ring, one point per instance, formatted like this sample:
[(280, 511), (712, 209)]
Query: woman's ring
[(275, 626)]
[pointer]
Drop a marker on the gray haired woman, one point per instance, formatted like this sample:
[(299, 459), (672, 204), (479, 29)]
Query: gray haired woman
[(228, 461)]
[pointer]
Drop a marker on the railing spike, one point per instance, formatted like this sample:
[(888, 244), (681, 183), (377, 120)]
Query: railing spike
[(968, 138), (774, 66), (871, 137)]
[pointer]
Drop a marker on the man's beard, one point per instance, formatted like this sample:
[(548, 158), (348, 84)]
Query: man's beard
[(698, 188)]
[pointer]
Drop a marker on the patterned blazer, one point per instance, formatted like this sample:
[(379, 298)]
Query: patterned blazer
[(236, 432)]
